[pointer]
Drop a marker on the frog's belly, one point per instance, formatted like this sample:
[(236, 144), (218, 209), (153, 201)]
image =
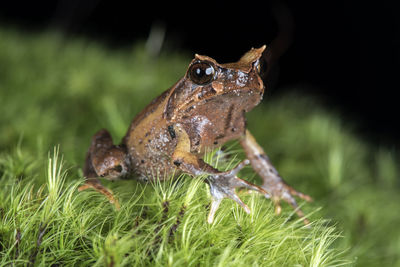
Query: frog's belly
[(154, 168), (151, 156)]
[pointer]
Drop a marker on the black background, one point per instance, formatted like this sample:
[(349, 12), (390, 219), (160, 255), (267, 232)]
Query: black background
[(347, 53)]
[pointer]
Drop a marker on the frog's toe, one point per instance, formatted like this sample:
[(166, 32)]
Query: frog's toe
[(282, 191), (96, 185), (223, 184), (292, 202)]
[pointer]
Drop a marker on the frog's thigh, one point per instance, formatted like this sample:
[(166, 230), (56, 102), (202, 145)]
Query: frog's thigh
[(101, 141)]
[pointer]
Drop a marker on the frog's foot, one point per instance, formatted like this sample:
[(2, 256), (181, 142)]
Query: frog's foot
[(273, 183), (223, 184), (278, 190), (95, 184)]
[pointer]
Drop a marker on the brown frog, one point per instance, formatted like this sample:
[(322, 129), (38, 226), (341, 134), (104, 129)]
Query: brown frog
[(203, 110)]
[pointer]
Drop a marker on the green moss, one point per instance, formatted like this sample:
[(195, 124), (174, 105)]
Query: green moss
[(158, 224), (60, 92)]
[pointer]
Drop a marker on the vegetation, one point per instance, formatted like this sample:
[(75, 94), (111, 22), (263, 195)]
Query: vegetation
[(56, 93)]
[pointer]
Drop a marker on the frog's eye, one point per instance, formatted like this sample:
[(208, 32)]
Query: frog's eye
[(261, 66), (201, 73)]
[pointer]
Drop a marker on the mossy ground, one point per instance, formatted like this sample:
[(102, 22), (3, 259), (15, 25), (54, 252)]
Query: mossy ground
[(55, 93)]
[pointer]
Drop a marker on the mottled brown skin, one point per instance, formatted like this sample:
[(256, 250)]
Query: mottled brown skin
[(203, 110)]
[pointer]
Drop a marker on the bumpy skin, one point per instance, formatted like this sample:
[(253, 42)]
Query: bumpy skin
[(204, 109)]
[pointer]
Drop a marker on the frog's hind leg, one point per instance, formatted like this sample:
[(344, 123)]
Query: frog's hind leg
[(104, 160), (91, 181), (273, 184)]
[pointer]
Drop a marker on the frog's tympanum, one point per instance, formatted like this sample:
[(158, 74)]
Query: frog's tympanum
[(203, 110)]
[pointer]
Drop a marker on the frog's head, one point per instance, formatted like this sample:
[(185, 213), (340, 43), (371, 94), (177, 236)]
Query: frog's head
[(206, 81)]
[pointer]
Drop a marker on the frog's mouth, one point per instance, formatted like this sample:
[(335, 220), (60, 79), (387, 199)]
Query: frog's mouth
[(245, 89), (216, 104)]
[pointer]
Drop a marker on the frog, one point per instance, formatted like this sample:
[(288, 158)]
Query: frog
[(202, 111)]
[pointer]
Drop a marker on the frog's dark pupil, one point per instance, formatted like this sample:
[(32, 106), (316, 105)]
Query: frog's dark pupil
[(201, 73)]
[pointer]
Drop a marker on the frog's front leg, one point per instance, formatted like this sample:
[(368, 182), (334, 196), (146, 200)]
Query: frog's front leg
[(104, 159), (275, 186), (222, 184)]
